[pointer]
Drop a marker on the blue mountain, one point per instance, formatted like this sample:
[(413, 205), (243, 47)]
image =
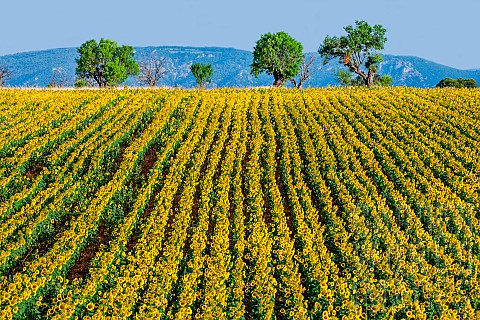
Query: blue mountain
[(231, 68)]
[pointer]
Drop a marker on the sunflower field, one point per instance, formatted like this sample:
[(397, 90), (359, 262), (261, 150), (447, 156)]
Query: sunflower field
[(338, 203)]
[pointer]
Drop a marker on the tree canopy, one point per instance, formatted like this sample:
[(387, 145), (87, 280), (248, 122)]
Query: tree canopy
[(203, 74), (358, 50), (458, 83), (279, 55), (105, 62)]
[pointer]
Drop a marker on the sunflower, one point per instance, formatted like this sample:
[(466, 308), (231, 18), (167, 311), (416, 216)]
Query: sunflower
[(90, 306)]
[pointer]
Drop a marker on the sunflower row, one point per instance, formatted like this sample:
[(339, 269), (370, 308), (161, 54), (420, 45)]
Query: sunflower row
[(296, 204), (70, 243)]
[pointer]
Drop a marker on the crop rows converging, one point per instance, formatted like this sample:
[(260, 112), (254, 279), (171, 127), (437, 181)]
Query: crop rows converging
[(240, 204)]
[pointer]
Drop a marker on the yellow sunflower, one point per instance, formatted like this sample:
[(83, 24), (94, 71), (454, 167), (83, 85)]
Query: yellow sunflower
[(90, 306)]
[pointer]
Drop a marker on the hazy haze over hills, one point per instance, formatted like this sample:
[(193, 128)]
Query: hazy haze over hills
[(231, 68)]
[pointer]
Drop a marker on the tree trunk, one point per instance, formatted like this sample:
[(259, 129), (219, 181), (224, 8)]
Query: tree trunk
[(360, 73), (278, 83), (300, 84), (369, 80), (278, 80), (294, 83)]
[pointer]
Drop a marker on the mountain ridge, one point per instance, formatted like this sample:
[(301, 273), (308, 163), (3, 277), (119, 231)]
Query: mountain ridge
[(231, 68)]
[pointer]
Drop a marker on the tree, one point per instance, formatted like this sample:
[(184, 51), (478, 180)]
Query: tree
[(357, 50), (467, 83), (105, 62), (279, 55), (152, 70), (458, 83), (5, 75), (447, 83), (305, 73), (383, 80), (345, 77), (81, 83), (203, 74)]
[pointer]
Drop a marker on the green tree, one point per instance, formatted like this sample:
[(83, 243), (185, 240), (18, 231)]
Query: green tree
[(468, 83), (105, 62), (279, 55), (383, 80), (203, 74), (81, 83), (458, 83), (345, 77), (447, 83), (357, 50)]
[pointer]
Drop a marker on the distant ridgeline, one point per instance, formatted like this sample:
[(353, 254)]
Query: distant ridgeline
[(231, 68)]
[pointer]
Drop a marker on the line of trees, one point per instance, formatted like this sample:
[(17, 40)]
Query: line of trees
[(457, 83), (281, 56), (107, 64)]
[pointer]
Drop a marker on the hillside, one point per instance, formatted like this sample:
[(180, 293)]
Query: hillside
[(231, 68), (240, 204)]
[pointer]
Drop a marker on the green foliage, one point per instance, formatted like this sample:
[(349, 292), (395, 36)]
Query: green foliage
[(279, 55), (373, 61), (383, 81), (203, 74), (468, 83), (447, 83), (81, 83), (106, 63), (357, 50), (344, 77), (458, 83)]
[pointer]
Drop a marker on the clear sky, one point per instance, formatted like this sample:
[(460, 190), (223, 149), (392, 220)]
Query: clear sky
[(443, 31)]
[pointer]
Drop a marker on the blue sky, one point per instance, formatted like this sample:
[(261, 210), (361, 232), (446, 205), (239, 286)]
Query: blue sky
[(443, 31)]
